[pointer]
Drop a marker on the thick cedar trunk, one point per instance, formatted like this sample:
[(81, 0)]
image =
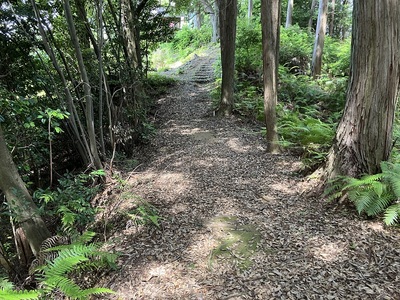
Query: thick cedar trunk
[(270, 20), (364, 134), (227, 18), (289, 13), (319, 39), (20, 201)]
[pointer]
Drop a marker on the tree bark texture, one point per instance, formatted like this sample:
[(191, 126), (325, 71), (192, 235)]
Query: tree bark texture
[(270, 22), (78, 133), (19, 200), (227, 18), (89, 113), (131, 34), (364, 134), (316, 65), (211, 8), (250, 9), (310, 21), (289, 14), (332, 18)]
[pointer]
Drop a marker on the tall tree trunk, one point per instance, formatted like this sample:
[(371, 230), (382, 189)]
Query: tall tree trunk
[(198, 18), (20, 201), (343, 29), (332, 18), (319, 39), (311, 13), (270, 22), (73, 120), (289, 13), (101, 72), (131, 35), (227, 17), (364, 134), (250, 10), (211, 8), (89, 113)]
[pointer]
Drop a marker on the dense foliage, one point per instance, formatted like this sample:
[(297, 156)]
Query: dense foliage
[(373, 195)]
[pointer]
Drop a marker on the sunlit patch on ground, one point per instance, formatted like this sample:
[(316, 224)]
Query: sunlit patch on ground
[(326, 250), (236, 145)]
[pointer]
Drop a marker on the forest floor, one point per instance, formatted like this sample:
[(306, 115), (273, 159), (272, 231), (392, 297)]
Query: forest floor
[(235, 221)]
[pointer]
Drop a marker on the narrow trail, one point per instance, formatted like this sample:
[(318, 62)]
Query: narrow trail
[(234, 221)]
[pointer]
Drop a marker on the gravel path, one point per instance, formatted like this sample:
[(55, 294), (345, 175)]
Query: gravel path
[(235, 223)]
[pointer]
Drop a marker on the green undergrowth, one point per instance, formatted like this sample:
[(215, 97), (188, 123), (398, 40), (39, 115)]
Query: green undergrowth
[(185, 44), (62, 270), (308, 109), (373, 195), (68, 206)]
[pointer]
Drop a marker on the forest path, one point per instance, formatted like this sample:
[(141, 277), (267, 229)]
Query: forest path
[(234, 221)]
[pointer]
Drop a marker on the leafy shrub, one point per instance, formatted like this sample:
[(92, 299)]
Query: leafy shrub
[(188, 39), (248, 47), (326, 96), (337, 57), (71, 199), (309, 135), (372, 195), (295, 50), (185, 41)]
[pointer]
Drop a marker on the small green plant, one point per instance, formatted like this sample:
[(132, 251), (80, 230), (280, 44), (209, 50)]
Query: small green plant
[(70, 262), (71, 199), (310, 136), (144, 214), (372, 195), (57, 269), (8, 292)]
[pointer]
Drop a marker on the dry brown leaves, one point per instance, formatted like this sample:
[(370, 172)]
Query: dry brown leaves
[(200, 167)]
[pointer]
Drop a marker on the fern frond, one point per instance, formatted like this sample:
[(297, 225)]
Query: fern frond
[(392, 214), (362, 200), (6, 285), (393, 179), (366, 181), (64, 284), (86, 237), (379, 204), (95, 291), (18, 295), (56, 273)]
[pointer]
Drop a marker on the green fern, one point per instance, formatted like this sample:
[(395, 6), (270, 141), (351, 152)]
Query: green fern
[(7, 292), (6, 285), (372, 194), (18, 295), (392, 214), (55, 275)]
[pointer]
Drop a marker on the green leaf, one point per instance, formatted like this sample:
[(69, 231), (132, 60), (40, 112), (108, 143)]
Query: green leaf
[(19, 295), (378, 188), (392, 214)]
